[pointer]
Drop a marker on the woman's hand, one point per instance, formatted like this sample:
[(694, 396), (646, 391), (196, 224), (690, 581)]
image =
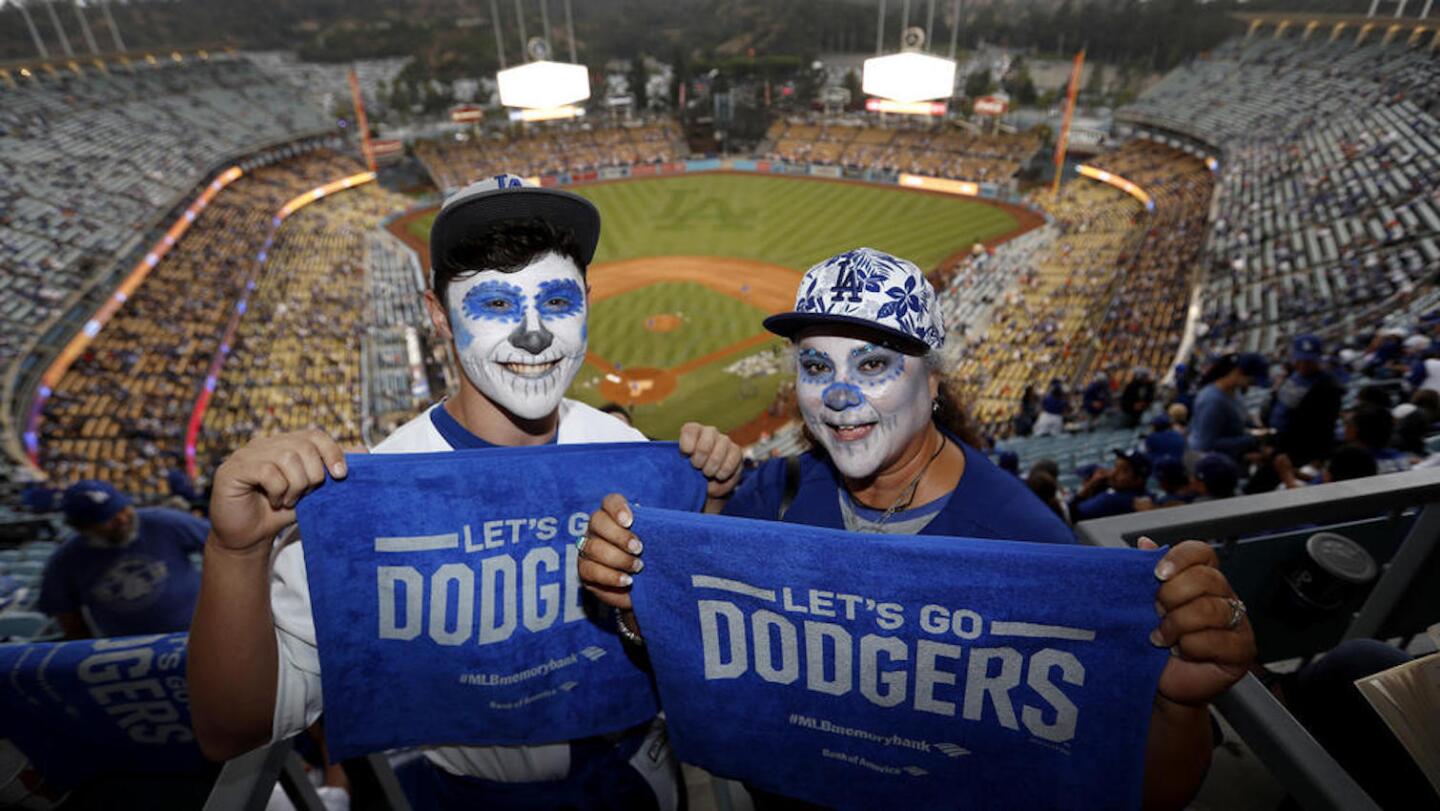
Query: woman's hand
[(610, 554), (713, 454), (1196, 609)]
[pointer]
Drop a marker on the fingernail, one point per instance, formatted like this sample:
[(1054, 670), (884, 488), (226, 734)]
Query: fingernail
[(338, 471), (1164, 570), (626, 519), (626, 580), (639, 564), (1156, 639), (1159, 609), (635, 546)]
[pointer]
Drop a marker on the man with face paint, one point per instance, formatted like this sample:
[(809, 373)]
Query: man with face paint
[(508, 291), (128, 569), (895, 454)]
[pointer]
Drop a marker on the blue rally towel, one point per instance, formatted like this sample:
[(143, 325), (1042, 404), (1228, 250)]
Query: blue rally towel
[(446, 600), (99, 708), (864, 671)]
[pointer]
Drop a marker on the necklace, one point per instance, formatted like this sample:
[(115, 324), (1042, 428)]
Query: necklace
[(908, 494)]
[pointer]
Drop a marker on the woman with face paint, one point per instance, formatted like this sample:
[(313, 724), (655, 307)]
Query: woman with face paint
[(893, 453), (508, 291)]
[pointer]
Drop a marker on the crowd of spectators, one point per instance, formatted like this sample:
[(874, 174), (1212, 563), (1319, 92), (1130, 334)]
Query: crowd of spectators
[(91, 157), (456, 161), (296, 361), (1328, 208), (948, 153), (120, 412)]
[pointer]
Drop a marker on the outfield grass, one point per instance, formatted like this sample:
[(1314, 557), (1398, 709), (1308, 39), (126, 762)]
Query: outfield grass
[(787, 221), (711, 321)]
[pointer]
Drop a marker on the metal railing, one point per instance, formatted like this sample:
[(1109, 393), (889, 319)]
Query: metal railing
[(246, 782), (1295, 758)]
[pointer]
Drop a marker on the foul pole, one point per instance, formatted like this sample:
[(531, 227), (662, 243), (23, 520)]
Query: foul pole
[(1063, 142), (360, 121)]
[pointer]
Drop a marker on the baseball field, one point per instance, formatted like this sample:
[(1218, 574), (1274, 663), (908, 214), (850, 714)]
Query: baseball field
[(689, 265)]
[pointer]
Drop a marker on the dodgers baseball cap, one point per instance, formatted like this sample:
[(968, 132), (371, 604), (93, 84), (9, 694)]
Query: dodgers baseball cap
[(506, 197), (1218, 472), (1161, 421), (1139, 461), (1307, 347), (871, 289), (90, 502)]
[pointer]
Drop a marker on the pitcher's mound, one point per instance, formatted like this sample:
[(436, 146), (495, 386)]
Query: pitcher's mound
[(663, 322), (637, 386)]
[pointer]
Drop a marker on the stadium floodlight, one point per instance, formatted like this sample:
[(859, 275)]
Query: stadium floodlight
[(543, 84), (909, 76)]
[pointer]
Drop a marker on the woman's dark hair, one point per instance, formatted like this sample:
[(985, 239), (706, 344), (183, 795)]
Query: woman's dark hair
[(507, 246), (1047, 489), (1350, 462), (1373, 426), (1223, 365)]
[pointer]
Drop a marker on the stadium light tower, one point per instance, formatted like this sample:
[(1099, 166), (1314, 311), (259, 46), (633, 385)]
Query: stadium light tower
[(543, 89), (910, 76)]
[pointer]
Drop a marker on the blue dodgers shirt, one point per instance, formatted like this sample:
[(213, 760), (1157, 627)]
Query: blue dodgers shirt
[(99, 708), (146, 587), (865, 671), (988, 502), (447, 602)]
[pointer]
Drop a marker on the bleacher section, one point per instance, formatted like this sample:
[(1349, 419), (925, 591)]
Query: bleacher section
[(938, 153), (396, 321), (453, 162), (296, 362), (1327, 212), (88, 162), (120, 412)]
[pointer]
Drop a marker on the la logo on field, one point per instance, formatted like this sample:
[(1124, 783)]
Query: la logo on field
[(846, 282)]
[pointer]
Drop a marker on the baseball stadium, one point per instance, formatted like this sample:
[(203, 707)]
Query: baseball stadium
[(1181, 269)]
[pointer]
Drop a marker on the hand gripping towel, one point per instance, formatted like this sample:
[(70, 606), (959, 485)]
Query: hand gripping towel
[(99, 708), (864, 671), (446, 601)]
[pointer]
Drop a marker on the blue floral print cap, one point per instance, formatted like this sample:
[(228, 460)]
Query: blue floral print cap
[(871, 289)]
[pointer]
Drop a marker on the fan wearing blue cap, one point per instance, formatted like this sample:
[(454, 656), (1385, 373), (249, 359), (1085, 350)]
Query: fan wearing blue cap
[(1219, 422), (1114, 491), (893, 454), (1306, 406), (508, 293), (129, 570)]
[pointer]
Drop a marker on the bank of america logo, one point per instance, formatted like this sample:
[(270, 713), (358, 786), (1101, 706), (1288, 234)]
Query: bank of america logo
[(592, 653), (951, 750), (915, 771)]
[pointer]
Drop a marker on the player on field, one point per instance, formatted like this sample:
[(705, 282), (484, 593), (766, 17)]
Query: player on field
[(509, 291)]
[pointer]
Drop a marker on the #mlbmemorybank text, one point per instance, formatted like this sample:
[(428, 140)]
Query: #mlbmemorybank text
[(942, 672)]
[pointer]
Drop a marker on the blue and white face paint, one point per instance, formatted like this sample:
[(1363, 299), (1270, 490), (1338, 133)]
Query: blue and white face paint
[(863, 402), (521, 336)]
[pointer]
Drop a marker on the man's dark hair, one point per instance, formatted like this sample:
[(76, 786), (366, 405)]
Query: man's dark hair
[(508, 246), (1377, 396), (1373, 426), (1048, 466), (1350, 462)]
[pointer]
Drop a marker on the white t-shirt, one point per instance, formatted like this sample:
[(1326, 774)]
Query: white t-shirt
[(298, 700)]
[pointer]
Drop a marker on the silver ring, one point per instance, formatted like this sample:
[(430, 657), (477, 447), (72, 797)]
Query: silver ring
[(1237, 612), (580, 544)]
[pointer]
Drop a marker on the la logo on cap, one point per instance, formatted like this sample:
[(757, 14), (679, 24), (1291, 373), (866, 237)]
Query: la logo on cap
[(847, 281), (98, 497)]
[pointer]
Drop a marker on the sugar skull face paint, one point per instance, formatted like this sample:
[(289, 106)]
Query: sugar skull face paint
[(521, 336), (863, 402)]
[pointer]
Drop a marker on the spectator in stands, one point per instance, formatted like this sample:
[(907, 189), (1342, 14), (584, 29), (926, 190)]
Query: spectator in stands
[(1114, 491), (1305, 408), (1008, 461), (1136, 397), (1345, 463), (1029, 411), (1047, 489), (1164, 442), (1416, 420), (1217, 476), (1053, 408), (1095, 400), (1184, 386), (1179, 416), (1175, 484), (128, 569), (1220, 422), (1371, 428)]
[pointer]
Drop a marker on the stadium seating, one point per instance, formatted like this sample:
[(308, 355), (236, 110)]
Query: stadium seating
[(296, 360), (940, 153), (89, 162), (396, 320), (1327, 210), (120, 412), (453, 163)]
